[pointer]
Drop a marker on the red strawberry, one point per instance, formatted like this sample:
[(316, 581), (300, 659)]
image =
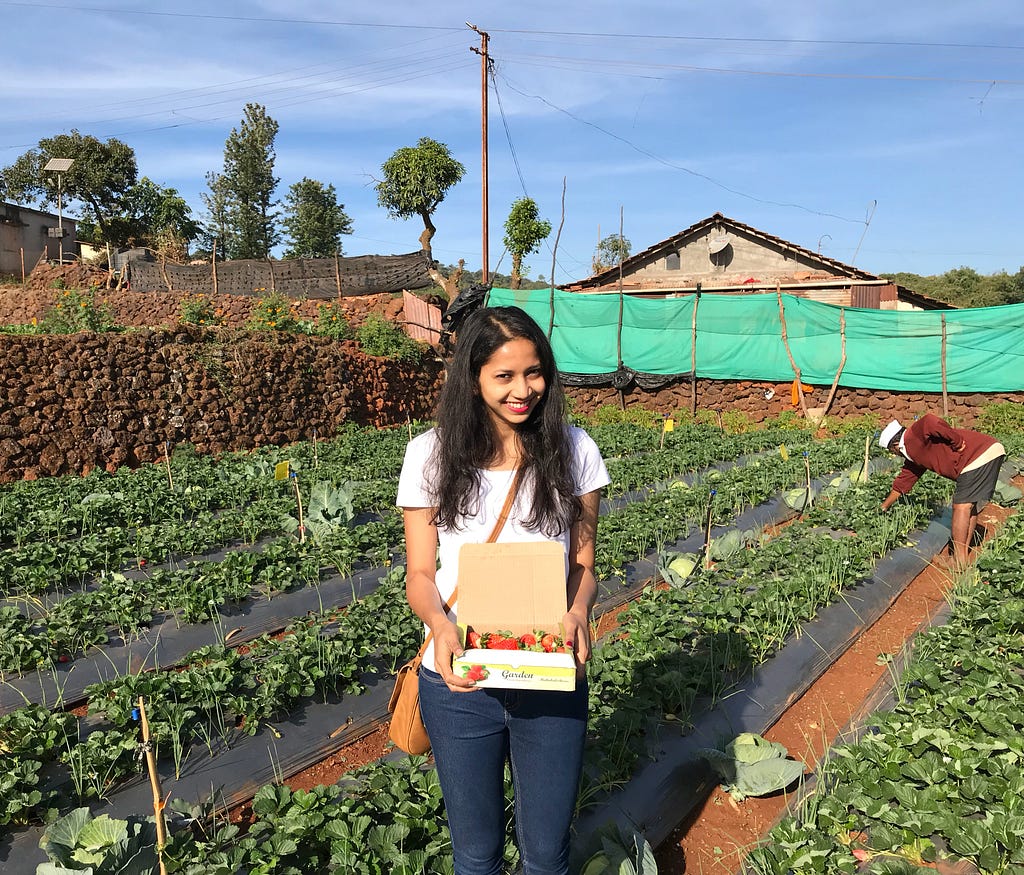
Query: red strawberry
[(493, 640), (63, 658), (474, 639), (504, 644), (548, 643), (527, 640)]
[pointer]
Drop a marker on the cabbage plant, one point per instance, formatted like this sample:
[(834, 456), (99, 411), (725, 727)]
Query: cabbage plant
[(750, 765)]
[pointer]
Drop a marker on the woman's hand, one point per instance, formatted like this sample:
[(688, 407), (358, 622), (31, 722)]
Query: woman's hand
[(446, 647), (577, 637)]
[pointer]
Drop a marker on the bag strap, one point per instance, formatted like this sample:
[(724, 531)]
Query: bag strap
[(499, 524)]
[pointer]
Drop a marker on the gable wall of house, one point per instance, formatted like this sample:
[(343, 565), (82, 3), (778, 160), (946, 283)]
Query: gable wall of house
[(744, 258), (22, 228)]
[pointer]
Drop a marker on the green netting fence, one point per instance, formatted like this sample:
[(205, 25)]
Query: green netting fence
[(740, 337)]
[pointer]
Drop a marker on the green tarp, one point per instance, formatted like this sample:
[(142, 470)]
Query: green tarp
[(739, 337)]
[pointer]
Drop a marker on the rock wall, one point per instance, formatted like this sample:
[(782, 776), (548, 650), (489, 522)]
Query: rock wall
[(75, 402), (19, 305)]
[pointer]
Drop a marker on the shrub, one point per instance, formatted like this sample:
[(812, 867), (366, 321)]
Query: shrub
[(737, 422), (198, 309), (790, 420), (274, 312), (331, 322), (611, 414), (76, 310), (1007, 416), (864, 423), (379, 337)]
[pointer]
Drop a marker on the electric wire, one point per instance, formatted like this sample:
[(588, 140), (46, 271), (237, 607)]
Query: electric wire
[(666, 162)]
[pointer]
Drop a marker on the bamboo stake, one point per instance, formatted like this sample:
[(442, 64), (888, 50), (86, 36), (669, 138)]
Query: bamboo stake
[(316, 457), (298, 501), (23, 265), (163, 271), (792, 361), (707, 531), (273, 281), (337, 271), (807, 480), (945, 396), (167, 462), (154, 781), (842, 363), (867, 450)]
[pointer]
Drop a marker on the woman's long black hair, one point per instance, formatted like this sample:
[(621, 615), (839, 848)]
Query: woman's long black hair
[(467, 441)]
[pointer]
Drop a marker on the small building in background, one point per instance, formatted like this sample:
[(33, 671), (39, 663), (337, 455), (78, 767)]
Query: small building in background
[(728, 257), (27, 234)]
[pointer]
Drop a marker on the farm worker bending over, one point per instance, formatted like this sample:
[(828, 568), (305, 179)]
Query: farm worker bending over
[(969, 458)]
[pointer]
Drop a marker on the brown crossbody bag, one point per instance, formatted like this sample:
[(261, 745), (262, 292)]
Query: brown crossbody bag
[(407, 730)]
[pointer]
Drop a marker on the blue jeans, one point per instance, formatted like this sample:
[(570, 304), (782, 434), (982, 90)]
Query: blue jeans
[(541, 733)]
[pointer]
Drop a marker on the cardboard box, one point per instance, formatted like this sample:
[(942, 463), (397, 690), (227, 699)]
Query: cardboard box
[(517, 587)]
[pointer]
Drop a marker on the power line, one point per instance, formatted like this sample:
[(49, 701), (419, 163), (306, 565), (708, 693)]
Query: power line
[(617, 35), (675, 166), (209, 17), (691, 68), (508, 133), (750, 39)]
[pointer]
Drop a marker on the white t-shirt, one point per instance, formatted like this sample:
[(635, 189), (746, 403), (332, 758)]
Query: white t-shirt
[(589, 473)]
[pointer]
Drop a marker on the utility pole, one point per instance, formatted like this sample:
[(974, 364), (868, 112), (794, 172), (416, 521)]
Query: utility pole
[(485, 61)]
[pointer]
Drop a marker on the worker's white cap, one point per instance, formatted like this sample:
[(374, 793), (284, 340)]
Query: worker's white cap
[(888, 433)]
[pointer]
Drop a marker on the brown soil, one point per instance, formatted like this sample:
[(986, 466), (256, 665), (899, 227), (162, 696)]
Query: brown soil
[(367, 749), (717, 834)]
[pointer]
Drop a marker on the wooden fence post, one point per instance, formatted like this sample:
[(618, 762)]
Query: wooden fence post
[(693, 355), (792, 361), (213, 264), (842, 362), (945, 396)]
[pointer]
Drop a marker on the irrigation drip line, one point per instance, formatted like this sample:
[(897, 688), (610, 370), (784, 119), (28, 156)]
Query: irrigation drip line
[(303, 738), (234, 773), (165, 644), (672, 781)]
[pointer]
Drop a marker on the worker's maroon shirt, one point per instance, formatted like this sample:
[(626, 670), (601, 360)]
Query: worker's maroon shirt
[(930, 444)]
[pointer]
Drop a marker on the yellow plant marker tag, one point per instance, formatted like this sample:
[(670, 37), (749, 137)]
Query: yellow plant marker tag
[(282, 469), (784, 453), (668, 425)]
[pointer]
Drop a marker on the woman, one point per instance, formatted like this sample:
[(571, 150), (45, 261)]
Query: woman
[(502, 411)]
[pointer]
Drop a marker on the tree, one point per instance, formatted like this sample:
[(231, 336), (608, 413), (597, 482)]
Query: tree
[(99, 179), (241, 199), (314, 221), (416, 180), (150, 215), (524, 231), (610, 251)]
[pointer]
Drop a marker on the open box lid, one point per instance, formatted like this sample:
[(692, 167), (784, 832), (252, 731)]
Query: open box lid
[(512, 586)]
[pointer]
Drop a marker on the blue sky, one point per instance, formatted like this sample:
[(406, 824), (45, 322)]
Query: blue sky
[(886, 135)]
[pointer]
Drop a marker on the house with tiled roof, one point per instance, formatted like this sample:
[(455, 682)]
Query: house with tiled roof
[(725, 256)]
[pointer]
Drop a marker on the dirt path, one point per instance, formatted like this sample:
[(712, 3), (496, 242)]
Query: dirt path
[(716, 836)]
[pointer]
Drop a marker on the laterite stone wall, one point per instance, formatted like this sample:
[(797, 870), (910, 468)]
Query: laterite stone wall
[(74, 402), (752, 399)]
